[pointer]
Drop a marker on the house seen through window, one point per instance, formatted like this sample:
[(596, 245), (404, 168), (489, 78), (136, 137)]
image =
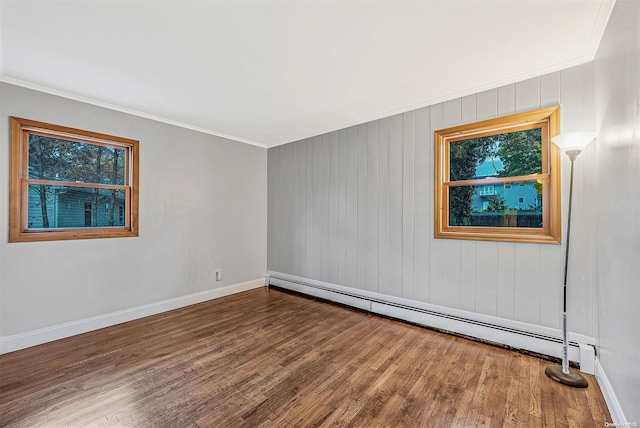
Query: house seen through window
[(505, 155)]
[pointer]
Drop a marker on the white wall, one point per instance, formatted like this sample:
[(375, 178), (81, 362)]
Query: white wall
[(202, 208), (616, 203), (355, 208)]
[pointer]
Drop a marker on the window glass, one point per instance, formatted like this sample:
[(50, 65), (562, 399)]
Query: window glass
[(496, 205), (509, 154), (63, 160), (53, 206)]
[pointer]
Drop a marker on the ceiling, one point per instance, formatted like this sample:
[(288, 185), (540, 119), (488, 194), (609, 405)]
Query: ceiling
[(272, 72)]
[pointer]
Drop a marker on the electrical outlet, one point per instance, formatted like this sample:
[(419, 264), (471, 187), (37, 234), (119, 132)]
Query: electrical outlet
[(218, 275)]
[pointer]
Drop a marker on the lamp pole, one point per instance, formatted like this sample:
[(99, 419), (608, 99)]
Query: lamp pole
[(573, 143)]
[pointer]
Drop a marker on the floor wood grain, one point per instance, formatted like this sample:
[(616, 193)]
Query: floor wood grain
[(267, 358)]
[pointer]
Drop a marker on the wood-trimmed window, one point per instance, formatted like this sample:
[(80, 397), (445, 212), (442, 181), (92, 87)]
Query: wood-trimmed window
[(67, 183), (499, 179)]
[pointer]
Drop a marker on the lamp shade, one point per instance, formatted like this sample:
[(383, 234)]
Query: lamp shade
[(573, 140)]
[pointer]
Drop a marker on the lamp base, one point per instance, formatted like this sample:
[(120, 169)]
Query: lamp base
[(573, 379)]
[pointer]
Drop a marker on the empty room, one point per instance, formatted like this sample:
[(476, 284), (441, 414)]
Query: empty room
[(319, 213)]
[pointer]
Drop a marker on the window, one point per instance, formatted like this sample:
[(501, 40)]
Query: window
[(60, 179), (476, 163)]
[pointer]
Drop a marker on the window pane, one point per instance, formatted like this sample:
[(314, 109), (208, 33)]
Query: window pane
[(496, 205), (62, 160), (53, 207), (510, 154)]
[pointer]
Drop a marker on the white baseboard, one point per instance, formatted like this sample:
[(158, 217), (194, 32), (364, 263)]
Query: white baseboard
[(515, 334), (619, 420), (49, 334)]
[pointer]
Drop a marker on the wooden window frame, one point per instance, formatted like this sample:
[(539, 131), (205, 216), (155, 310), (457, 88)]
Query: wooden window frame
[(550, 233), (19, 180)]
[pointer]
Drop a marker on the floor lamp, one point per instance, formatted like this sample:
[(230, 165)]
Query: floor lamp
[(572, 143)]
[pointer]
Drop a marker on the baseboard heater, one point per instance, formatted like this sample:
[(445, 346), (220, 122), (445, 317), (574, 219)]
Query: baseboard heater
[(521, 336)]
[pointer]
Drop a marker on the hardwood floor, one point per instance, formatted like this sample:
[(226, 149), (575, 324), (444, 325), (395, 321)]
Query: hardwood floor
[(267, 358)]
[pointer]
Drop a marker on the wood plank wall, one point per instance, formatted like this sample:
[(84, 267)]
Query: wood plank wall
[(354, 207)]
